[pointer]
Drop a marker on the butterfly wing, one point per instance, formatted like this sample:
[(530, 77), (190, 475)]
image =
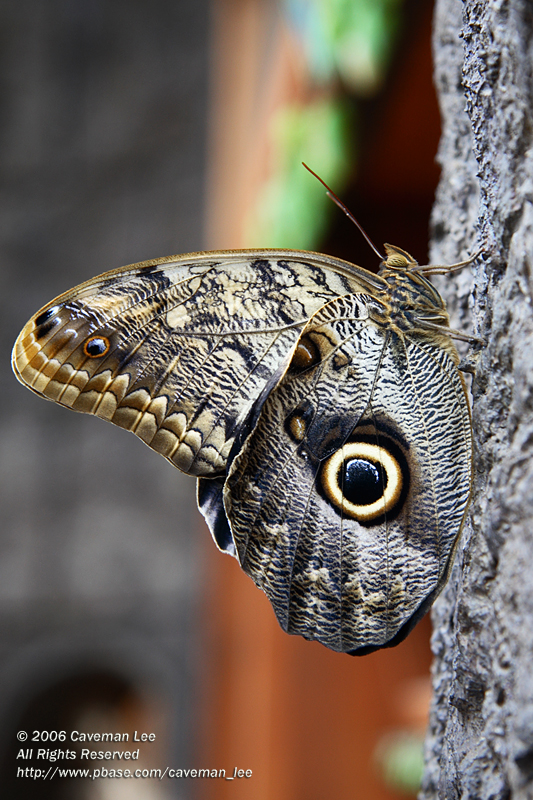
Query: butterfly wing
[(178, 350), (348, 498), (339, 478)]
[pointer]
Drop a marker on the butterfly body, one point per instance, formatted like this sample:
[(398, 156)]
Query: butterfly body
[(319, 405)]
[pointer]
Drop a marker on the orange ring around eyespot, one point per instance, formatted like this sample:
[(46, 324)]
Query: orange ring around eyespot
[(105, 349)]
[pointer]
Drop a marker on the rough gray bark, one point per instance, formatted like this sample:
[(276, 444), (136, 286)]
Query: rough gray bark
[(480, 742)]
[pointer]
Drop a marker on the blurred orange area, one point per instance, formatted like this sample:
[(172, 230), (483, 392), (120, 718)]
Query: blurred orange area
[(256, 69), (304, 719)]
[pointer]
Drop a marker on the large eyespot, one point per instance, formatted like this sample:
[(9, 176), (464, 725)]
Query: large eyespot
[(365, 480), (96, 346)]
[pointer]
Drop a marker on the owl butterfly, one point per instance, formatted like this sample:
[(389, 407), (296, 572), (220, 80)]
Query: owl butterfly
[(319, 405)]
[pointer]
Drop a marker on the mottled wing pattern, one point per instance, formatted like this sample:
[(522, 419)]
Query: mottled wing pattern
[(178, 350), (319, 404), (354, 585)]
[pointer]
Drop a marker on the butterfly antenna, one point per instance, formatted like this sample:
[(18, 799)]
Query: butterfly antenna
[(346, 210)]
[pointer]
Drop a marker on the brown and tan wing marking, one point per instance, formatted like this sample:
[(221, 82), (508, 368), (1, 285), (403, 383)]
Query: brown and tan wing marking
[(178, 350)]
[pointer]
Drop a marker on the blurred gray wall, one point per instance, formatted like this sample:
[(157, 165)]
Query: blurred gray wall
[(103, 109)]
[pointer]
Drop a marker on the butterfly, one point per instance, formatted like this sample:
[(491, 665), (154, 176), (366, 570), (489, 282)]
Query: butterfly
[(319, 405)]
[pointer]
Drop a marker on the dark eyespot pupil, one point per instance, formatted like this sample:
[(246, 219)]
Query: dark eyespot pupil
[(362, 482), (96, 347)]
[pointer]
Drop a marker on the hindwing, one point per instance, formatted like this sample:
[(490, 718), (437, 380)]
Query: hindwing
[(354, 565)]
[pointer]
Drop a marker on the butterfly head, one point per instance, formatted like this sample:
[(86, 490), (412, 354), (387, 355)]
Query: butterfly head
[(397, 259)]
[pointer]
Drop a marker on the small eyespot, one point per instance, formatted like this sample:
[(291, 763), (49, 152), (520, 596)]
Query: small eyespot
[(296, 427), (298, 421), (96, 346), (305, 356), (364, 481)]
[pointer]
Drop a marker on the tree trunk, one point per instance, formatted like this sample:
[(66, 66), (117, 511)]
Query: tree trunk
[(480, 741)]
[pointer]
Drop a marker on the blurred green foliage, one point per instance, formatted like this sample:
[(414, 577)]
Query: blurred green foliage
[(292, 209), (347, 45), (348, 38), (400, 758)]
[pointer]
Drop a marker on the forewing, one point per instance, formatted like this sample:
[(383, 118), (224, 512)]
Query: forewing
[(188, 343), (354, 585)]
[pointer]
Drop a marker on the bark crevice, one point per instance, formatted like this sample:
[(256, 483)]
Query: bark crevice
[(480, 740)]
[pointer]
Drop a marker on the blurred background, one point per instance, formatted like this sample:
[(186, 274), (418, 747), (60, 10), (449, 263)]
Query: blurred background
[(130, 130)]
